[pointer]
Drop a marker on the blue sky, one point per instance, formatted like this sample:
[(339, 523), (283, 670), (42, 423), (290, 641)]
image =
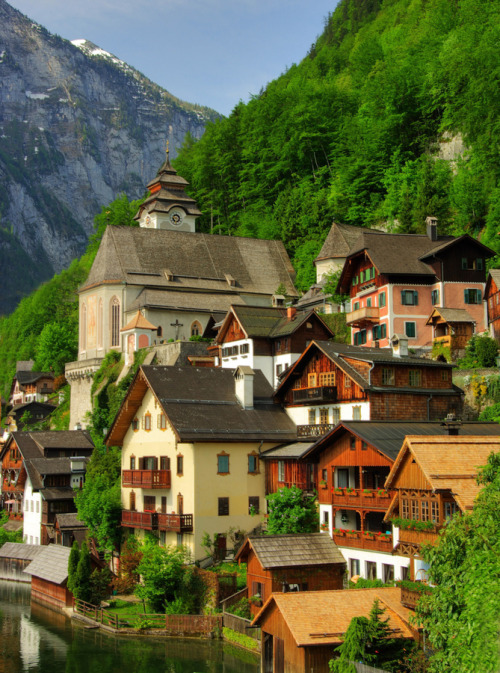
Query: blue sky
[(211, 52)]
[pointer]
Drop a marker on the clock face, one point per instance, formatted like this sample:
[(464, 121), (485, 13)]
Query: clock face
[(176, 217)]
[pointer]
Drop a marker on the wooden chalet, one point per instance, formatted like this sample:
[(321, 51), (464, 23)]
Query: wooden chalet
[(285, 563), (433, 478), (22, 416), (301, 630), (49, 577), (284, 469), (451, 329), (492, 299), (28, 386), (353, 462), (332, 382), (266, 338)]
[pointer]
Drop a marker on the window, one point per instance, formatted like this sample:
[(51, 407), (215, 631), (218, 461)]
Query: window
[(281, 470), (405, 508), (371, 570), (379, 331), (277, 346), (26, 505), (37, 506), (411, 329), (162, 421), (147, 422), (472, 296), (435, 511), (335, 415), (132, 501), (387, 573), (180, 465), (449, 509), (258, 590), (159, 331), (135, 424), (354, 567), (253, 463), (409, 297), (364, 446), (414, 510), (312, 416), (279, 369), (244, 349), (415, 377), (479, 264), (355, 306), (356, 413), (369, 301), (253, 504), (150, 503), (132, 462), (323, 416), (115, 321), (223, 506), (324, 474), (469, 264), (352, 443), (388, 376), (424, 510), (360, 337), (444, 375), (223, 463), (435, 297), (196, 329), (164, 463), (347, 382), (311, 381), (327, 379), (381, 299)]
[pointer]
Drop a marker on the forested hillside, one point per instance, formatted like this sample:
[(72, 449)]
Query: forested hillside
[(392, 116)]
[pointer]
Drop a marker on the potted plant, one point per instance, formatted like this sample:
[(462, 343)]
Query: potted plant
[(369, 534), (338, 491), (382, 493), (323, 483), (368, 492), (352, 533), (350, 491), (324, 526), (338, 531)]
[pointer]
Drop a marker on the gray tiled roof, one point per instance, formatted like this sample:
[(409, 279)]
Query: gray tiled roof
[(195, 301), (58, 493), (52, 465), (19, 550), (293, 450), (305, 549), (51, 564), (25, 377), (201, 404), (339, 241), (69, 521), (454, 314), (258, 266)]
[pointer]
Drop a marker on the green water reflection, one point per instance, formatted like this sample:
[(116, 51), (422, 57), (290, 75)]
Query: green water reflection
[(36, 639)]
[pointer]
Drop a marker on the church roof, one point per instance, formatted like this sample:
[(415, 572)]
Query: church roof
[(201, 302), (138, 322), (140, 256), (339, 241)]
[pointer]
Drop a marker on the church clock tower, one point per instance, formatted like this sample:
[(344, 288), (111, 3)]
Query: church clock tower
[(168, 206)]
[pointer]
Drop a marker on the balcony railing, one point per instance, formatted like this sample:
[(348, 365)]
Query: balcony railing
[(410, 597), (418, 537), (443, 340), (365, 314), (360, 497), (314, 430), (313, 395), (176, 523), (358, 540), (147, 478)]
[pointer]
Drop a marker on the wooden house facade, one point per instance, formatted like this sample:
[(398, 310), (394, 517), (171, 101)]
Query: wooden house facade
[(332, 382), (290, 563), (49, 577), (452, 329), (492, 299), (301, 630), (284, 469), (433, 477)]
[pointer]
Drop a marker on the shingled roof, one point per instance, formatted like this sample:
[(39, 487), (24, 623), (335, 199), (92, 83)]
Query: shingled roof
[(339, 241), (388, 436), (201, 302), (323, 617), (25, 377), (287, 551), (201, 404), (448, 463), (450, 315), (51, 564), (140, 256), (20, 550)]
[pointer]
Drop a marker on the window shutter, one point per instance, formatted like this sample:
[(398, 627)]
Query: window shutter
[(155, 462), (141, 463), (466, 296), (415, 298), (403, 297)]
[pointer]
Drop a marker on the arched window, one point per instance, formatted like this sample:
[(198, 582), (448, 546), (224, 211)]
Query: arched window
[(83, 326), (159, 331), (115, 321), (195, 328), (100, 323)]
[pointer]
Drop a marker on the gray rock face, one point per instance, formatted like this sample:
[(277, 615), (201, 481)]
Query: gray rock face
[(77, 128)]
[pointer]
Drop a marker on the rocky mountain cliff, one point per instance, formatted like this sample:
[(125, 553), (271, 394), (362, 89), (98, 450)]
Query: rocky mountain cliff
[(77, 127)]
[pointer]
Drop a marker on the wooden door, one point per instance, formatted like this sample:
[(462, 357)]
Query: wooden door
[(267, 654)]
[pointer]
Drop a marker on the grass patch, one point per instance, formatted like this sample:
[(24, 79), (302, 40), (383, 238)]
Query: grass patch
[(120, 607), (240, 639)]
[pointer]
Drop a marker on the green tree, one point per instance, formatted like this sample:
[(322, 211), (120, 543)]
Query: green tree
[(462, 614), (291, 511), (162, 571), (57, 345), (330, 288), (74, 557), (81, 582)]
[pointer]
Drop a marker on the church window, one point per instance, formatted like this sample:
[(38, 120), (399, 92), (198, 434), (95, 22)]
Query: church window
[(115, 321), (159, 331), (195, 328), (83, 328), (100, 325)]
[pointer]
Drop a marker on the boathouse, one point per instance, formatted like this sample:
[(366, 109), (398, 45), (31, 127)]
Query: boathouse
[(49, 576), (14, 558)]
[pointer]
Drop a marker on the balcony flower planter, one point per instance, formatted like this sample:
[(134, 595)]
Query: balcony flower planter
[(382, 493), (367, 493), (339, 532), (323, 484), (351, 492), (324, 527), (337, 491)]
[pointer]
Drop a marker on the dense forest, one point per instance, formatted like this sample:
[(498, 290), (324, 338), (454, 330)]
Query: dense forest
[(364, 131), (392, 116)]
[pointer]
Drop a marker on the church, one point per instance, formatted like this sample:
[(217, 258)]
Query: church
[(162, 281)]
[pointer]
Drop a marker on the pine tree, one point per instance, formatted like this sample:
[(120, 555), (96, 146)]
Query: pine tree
[(74, 557), (81, 584)]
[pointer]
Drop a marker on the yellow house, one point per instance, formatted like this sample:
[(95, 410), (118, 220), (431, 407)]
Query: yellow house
[(191, 441)]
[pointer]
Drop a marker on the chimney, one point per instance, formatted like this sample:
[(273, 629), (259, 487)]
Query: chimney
[(452, 424), (399, 343), (243, 386), (432, 227), (291, 312)]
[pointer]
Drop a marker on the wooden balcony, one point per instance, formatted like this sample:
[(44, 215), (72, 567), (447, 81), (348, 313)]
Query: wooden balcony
[(314, 430), (418, 537), (363, 315), (442, 341), (358, 498), (175, 523), (143, 520), (410, 597), (147, 478), (358, 540), (315, 395)]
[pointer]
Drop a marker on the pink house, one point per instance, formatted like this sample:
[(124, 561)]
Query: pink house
[(396, 280)]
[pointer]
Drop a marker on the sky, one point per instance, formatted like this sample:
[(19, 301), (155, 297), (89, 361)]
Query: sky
[(210, 52)]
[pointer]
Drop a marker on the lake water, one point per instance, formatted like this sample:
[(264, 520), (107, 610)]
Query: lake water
[(34, 639)]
